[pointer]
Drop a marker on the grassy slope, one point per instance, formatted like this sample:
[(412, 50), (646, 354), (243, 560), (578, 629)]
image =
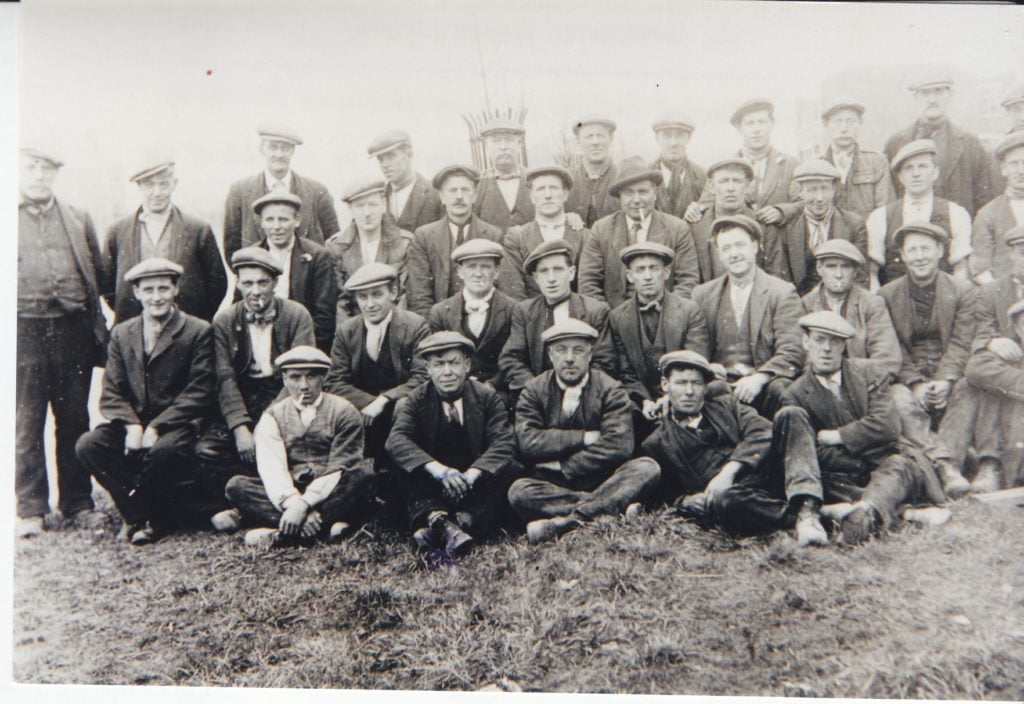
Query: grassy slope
[(651, 607)]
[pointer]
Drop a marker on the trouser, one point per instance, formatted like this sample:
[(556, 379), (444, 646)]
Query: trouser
[(538, 497), (769, 401), (54, 368), (482, 507), (377, 434), (160, 485), (350, 500), (955, 423)]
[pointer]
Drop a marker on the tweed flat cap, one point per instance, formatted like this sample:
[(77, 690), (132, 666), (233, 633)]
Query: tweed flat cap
[(478, 248), (843, 249), (685, 359), (633, 170), (816, 170), (918, 146), (255, 256), (370, 275), (1009, 143), (736, 163), (386, 141), (569, 328), (502, 124), (362, 186), (936, 232), (932, 82), (1014, 310), (279, 132), (154, 169), (444, 340), (1014, 95), (276, 199), (41, 154), (842, 104), (1015, 235), (653, 249), (681, 123), (303, 357), (593, 120), (749, 107), (546, 249), (829, 322), (749, 224), (154, 266), (455, 170), (552, 170)]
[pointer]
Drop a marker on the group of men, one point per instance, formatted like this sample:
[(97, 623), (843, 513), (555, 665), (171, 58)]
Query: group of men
[(824, 346)]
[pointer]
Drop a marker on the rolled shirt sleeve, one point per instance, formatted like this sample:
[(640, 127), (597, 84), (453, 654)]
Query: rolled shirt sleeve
[(272, 461), (876, 229), (960, 237)]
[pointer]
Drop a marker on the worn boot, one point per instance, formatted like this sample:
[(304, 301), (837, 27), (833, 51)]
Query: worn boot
[(809, 530), (953, 483), (546, 529), (987, 478), (227, 521), (859, 524)]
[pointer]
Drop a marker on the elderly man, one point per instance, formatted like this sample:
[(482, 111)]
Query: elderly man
[(61, 335), (588, 195), (751, 318), (682, 181), (1004, 212), (503, 199), (575, 435), (453, 445), (601, 273), (159, 229), (964, 171), (370, 237), (412, 202), (313, 481), (916, 167), (480, 312), (158, 386), (317, 219), (429, 260), (864, 179), (549, 186), (820, 221)]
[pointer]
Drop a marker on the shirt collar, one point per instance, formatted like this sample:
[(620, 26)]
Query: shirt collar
[(927, 200), (551, 224), (454, 229), (836, 376), (583, 382), (286, 250), (148, 216), (645, 222), (382, 324), (826, 221), (34, 207), (466, 298), (688, 421), (302, 407), (269, 179)]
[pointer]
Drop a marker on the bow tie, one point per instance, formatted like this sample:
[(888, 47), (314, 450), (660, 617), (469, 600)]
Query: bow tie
[(653, 305), (477, 306), (261, 319), (683, 419)]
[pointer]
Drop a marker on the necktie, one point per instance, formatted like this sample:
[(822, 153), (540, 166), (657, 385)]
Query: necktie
[(278, 187), (461, 236), (634, 231), (832, 384), (150, 334), (818, 234), (571, 400), (843, 164), (452, 412)]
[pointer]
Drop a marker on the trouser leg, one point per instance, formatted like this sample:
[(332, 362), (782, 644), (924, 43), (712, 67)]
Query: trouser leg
[(101, 451), (989, 438), (168, 484), (377, 434), (750, 507), (423, 496), (351, 499), (70, 378), (216, 462), (916, 425), (631, 482), (769, 401), (248, 495), (896, 480), (533, 498), (795, 442), (959, 421), (30, 481)]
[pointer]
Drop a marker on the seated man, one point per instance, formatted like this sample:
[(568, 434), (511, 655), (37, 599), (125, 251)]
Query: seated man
[(313, 480), (575, 434), (453, 446), (480, 311), (1001, 214), (157, 386), (247, 336)]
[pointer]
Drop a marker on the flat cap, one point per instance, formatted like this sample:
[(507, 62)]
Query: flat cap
[(444, 340), (1015, 235), (502, 124), (593, 120), (362, 186), (842, 104), (918, 146), (552, 170), (478, 248), (749, 224), (930, 82), (674, 122), (569, 328), (1009, 143), (1015, 309), (370, 275), (154, 169), (303, 357), (816, 170), (455, 170), (734, 162), (828, 322), (936, 232), (276, 199), (386, 141), (653, 249), (41, 154), (279, 132), (686, 359), (843, 249), (633, 170), (154, 266), (255, 256), (1014, 95), (546, 249), (751, 106)]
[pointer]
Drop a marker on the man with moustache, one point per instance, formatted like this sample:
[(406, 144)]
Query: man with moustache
[(429, 260), (864, 179), (158, 228), (682, 181), (503, 198), (588, 195), (989, 252), (317, 218), (412, 201)]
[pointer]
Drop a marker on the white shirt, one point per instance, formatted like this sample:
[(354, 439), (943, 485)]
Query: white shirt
[(738, 297), (278, 185), (1017, 208), (560, 313), (812, 233), (399, 197), (666, 174), (833, 382), (261, 337), (457, 406), (645, 225), (476, 311), (375, 333), (551, 230), (368, 249), (509, 188), (571, 395), (154, 225), (283, 257), (843, 161), (693, 422), (920, 211), (760, 165)]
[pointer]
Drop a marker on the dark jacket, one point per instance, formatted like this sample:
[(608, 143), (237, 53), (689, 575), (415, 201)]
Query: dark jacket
[(578, 200), (490, 205), (693, 185), (779, 188), (993, 299), (844, 225), (769, 253), (201, 288), (422, 207), (868, 184), (447, 315), (348, 257), (988, 247), (518, 243)]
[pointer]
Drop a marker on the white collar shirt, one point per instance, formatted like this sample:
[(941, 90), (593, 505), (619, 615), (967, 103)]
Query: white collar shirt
[(283, 257), (278, 185)]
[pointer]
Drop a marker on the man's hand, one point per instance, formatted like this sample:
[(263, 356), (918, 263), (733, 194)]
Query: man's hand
[(920, 391), (938, 392), (651, 409), (295, 511), (1006, 349), (721, 481), (574, 221), (311, 526), (829, 437), (374, 408), (769, 215), (694, 212), (149, 437), (132, 438), (721, 373), (453, 483), (749, 387), (471, 475), (245, 445), (591, 436)]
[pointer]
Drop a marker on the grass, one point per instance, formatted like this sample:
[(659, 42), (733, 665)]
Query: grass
[(655, 606)]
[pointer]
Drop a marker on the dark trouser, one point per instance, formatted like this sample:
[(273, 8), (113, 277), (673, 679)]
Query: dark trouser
[(769, 401), (159, 485), (483, 505), (377, 434), (956, 423), (350, 500), (543, 497), (54, 368)]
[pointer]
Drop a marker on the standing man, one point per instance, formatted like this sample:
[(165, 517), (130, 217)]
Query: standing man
[(412, 202), (1004, 212), (307, 271), (601, 273), (503, 199), (864, 179), (682, 181), (588, 195), (317, 218), (62, 335), (159, 229), (575, 435)]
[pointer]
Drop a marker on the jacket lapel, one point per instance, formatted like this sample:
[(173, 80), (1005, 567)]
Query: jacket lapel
[(956, 151), (174, 327), (242, 351), (1005, 296), (299, 272), (136, 346), (79, 247), (945, 306), (396, 335), (798, 247), (757, 304), (533, 332), (633, 335), (474, 419), (499, 306)]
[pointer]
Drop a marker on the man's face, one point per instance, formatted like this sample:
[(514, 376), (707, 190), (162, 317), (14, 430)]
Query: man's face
[(553, 275), (685, 389), (918, 174), (156, 294), (478, 275), (637, 199), (933, 102), (837, 274), (672, 143), (824, 351), (368, 212), (36, 178), (395, 164), (376, 302), (278, 155), (279, 221), (1017, 258), (448, 371), (737, 251), (843, 128), (156, 192), (756, 129), (595, 143), (921, 254), (570, 358), (256, 287), (648, 275), (303, 385), (503, 149), (1013, 168), (458, 194), (548, 194), (730, 186), (818, 196)]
